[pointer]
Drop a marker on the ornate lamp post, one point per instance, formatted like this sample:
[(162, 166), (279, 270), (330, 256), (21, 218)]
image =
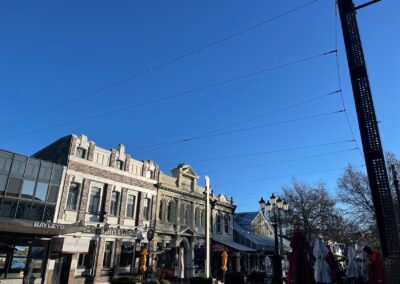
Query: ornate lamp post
[(275, 206)]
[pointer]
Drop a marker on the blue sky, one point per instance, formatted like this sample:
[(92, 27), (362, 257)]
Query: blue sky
[(53, 51)]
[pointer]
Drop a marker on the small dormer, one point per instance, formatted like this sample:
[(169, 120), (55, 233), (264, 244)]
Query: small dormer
[(186, 177)]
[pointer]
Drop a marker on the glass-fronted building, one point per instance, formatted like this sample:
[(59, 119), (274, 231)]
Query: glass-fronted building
[(29, 190)]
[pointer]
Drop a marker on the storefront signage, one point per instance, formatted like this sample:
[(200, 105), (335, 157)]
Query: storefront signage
[(112, 231), (70, 245), (48, 225)]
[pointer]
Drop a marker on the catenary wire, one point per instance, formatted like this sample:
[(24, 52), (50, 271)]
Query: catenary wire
[(179, 94), (339, 80), (175, 142), (283, 161), (313, 146), (161, 65), (283, 176)]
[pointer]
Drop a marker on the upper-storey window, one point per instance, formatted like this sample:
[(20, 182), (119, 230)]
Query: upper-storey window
[(227, 223), (119, 165), (146, 208), (94, 200), (219, 227), (81, 152), (114, 206), (130, 206), (73, 196)]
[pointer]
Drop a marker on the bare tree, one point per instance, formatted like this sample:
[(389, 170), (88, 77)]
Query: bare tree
[(312, 210)]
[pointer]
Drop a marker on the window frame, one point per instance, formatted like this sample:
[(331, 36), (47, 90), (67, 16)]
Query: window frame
[(133, 207), (89, 209), (84, 151), (118, 203)]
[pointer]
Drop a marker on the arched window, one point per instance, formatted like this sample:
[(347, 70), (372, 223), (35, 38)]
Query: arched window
[(197, 216), (188, 214), (219, 227), (203, 218), (160, 213), (182, 214), (227, 223), (171, 212)]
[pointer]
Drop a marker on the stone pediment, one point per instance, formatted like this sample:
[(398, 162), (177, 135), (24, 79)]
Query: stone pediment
[(185, 170), (188, 231)]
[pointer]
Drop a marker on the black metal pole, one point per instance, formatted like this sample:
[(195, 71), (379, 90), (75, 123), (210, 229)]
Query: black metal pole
[(277, 268), (371, 142)]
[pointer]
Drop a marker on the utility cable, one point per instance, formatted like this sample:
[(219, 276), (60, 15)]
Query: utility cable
[(340, 82), (174, 142), (283, 176), (180, 94), (160, 66), (283, 161)]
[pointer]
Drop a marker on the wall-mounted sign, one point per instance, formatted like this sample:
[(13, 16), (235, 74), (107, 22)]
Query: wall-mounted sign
[(69, 245), (48, 225)]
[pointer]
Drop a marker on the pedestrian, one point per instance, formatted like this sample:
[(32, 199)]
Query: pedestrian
[(375, 266), (28, 271)]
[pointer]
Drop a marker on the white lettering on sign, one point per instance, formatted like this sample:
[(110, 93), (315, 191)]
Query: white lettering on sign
[(48, 225)]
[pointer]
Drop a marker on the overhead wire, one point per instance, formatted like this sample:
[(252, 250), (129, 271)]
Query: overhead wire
[(179, 94), (161, 65), (283, 161), (175, 142), (339, 80)]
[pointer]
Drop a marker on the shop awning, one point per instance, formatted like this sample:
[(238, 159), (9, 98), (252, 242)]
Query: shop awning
[(37, 228), (230, 246)]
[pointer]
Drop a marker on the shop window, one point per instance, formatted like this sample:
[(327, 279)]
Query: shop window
[(126, 254), (5, 162), (53, 194), (18, 166), (48, 213), (73, 196), (114, 206), (107, 254), (86, 260), (32, 169), (37, 212), (3, 182), (41, 191), (23, 210), (27, 189), (13, 186), (94, 200), (56, 175), (81, 153), (146, 208), (45, 172), (130, 206)]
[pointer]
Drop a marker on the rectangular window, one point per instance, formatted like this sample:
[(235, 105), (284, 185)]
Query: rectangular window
[(126, 254), (28, 188), (81, 153), (32, 169), (73, 196), (130, 206), (18, 166), (14, 186), (114, 206), (146, 208), (107, 254), (86, 260), (94, 200), (119, 165), (41, 191), (3, 182), (5, 162)]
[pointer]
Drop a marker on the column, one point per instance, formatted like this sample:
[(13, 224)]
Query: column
[(84, 199), (99, 260)]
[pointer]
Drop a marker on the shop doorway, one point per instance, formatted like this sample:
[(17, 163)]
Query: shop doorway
[(62, 268)]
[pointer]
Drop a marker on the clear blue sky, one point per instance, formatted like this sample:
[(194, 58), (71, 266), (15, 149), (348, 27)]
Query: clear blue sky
[(55, 51)]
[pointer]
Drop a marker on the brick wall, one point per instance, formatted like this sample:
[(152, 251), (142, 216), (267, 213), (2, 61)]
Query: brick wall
[(64, 196), (74, 143), (84, 199), (107, 192), (92, 146)]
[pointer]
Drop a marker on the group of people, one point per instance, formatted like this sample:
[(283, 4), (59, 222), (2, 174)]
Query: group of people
[(318, 265)]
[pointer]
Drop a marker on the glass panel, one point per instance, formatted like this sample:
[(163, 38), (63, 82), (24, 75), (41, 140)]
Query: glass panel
[(41, 191), (18, 166), (3, 258), (23, 210), (14, 186), (94, 200), (72, 201), (126, 254), (37, 267), (53, 194), (107, 254), (49, 213), (36, 212), (32, 169), (37, 252), (3, 182), (21, 251), (8, 208), (45, 171), (5, 162), (28, 189), (57, 173), (18, 263)]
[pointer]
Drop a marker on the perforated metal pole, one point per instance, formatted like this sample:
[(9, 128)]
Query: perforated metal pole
[(371, 142)]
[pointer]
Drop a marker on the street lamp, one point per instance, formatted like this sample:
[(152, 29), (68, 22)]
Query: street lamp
[(275, 206)]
